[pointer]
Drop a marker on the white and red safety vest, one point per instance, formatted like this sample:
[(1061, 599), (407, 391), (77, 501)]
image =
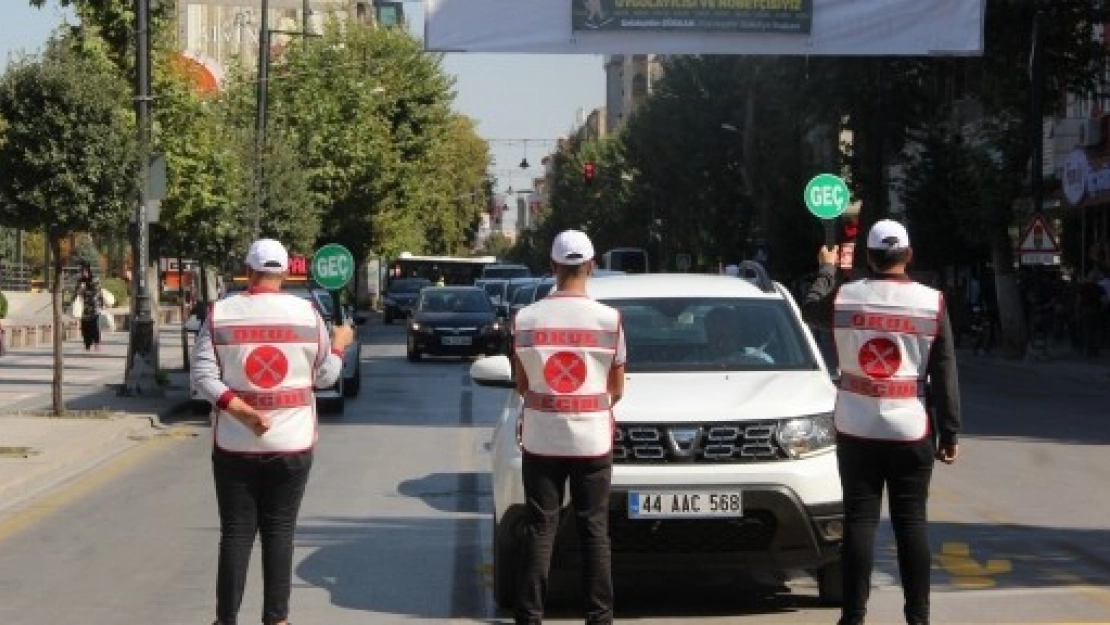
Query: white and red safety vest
[(268, 346), (884, 331), (567, 345)]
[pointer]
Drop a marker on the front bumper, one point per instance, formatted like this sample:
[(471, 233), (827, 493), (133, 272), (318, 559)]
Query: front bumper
[(479, 344), (777, 532)]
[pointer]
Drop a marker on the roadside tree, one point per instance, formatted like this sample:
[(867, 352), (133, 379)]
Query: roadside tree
[(68, 158)]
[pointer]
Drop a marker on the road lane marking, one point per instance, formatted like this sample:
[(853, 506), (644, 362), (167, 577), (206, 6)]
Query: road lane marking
[(955, 558)]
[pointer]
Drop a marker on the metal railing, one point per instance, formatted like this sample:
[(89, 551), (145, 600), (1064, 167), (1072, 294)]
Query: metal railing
[(14, 276)]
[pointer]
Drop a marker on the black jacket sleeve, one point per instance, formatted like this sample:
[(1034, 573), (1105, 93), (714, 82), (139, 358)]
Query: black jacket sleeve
[(944, 387), (817, 307)]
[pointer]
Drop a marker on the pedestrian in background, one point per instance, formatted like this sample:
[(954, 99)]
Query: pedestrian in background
[(92, 303), (569, 356), (257, 358), (897, 409)]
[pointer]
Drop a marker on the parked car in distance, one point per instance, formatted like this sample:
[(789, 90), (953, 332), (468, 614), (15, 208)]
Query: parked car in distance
[(454, 321), (528, 294), (505, 271), (495, 288), (398, 300)]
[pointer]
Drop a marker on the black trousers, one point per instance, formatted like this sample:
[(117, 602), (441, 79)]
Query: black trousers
[(545, 481), (90, 331), (257, 495), (904, 469)]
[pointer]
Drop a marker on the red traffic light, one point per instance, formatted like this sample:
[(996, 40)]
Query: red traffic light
[(588, 171)]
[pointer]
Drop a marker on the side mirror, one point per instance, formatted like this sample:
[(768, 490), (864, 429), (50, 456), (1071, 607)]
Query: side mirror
[(496, 371)]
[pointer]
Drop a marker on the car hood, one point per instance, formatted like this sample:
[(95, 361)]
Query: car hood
[(454, 319), (724, 396)]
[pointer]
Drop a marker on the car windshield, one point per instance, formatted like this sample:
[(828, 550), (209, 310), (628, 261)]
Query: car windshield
[(712, 334), (496, 290), (454, 300), (506, 271), (408, 286)]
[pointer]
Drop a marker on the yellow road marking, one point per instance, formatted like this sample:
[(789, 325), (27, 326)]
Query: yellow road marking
[(45, 506), (955, 558)]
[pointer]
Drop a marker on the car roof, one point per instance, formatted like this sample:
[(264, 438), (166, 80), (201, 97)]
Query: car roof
[(439, 289), (646, 285)]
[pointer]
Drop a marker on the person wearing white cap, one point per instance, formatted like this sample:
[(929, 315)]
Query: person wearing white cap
[(897, 409), (569, 355), (257, 358)]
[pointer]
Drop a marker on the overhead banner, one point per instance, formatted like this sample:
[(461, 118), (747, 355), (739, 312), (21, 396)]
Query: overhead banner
[(753, 27), (758, 16)]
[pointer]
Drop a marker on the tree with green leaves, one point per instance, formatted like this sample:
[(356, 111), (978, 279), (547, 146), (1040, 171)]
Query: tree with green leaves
[(68, 158), (390, 167)]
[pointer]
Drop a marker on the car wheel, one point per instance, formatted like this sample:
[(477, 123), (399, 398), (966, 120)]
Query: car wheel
[(352, 386), (387, 318), (506, 556), (830, 584), (412, 353)]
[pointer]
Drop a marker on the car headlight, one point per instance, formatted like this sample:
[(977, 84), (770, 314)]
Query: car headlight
[(493, 328), (423, 328), (805, 436)]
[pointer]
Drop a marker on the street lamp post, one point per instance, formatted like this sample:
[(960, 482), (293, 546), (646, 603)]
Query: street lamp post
[(260, 115), (141, 361)]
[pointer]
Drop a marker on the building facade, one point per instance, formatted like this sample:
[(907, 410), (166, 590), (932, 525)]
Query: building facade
[(629, 80)]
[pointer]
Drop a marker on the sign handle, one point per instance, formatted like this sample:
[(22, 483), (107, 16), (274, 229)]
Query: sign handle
[(336, 312), (830, 232)]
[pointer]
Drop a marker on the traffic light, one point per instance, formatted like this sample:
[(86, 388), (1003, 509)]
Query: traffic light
[(588, 171)]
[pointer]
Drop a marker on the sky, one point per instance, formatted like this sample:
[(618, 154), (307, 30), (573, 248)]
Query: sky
[(522, 103)]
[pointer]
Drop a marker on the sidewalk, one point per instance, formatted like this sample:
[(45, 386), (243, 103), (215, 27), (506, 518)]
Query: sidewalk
[(1062, 361), (38, 451)]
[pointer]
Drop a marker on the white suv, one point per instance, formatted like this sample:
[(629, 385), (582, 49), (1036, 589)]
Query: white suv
[(724, 443)]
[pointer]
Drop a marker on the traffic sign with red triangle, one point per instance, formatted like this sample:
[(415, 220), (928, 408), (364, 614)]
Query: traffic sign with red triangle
[(1038, 238)]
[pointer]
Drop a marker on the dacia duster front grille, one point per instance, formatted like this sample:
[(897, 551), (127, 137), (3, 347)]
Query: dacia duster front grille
[(705, 443)]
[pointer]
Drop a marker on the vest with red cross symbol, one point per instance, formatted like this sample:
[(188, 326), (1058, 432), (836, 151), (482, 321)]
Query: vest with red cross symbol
[(884, 330), (880, 358), (565, 372), (266, 366)]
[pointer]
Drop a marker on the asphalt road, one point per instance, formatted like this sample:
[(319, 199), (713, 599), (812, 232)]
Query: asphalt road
[(396, 522)]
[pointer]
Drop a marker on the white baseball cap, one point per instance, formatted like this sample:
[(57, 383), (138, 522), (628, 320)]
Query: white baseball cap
[(268, 256), (572, 247), (888, 234)]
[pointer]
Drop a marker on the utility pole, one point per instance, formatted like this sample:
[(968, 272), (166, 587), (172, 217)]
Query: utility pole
[(1036, 80), (260, 118), (142, 355)]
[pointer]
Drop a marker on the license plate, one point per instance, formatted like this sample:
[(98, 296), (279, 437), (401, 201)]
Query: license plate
[(685, 504), (457, 340)]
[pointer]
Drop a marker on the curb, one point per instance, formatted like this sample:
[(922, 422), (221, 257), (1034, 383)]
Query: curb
[(20, 494)]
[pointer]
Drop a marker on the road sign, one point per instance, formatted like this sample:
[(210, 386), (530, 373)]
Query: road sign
[(333, 266), (1037, 245), (1037, 238), (827, 196)]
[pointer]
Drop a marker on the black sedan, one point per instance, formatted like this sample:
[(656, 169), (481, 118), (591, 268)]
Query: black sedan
[(454, 321), (401, 296)]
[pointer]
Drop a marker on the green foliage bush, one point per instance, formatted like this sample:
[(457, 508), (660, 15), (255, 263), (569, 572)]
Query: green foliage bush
[(3, 306), (118, 288)]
